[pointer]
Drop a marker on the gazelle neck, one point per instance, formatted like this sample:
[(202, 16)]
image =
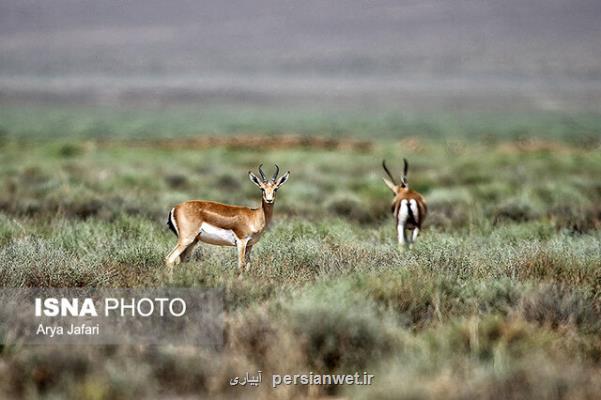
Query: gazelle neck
[(267, 209)]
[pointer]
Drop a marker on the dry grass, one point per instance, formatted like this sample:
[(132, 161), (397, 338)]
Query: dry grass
[(499, 299)]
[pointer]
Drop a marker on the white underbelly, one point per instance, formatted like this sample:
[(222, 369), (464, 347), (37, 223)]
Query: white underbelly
[(213, 235)]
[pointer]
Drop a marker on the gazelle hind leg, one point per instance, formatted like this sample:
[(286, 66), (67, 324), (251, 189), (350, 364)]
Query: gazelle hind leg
[(185, 256), (401, 221), (402, 237), (416, 217), (406, 237), (175, 257), (404, 218), (415, 234)]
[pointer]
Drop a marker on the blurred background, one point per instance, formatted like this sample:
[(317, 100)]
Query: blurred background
[(276, 65)]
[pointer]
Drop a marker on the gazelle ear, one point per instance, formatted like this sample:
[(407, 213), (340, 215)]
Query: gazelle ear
[(254, 179), (390, 185), (282, 179)]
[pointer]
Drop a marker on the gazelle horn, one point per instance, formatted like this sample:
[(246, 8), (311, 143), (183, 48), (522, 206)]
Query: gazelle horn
[(262, 173), (388, 172)]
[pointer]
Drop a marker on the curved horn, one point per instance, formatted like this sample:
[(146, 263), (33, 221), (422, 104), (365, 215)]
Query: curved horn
[(388, 172), (406, 168), (262, 173), (277, 171)]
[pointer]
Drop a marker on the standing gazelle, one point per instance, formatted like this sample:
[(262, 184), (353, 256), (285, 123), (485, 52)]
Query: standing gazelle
[(222, 224), (408, 207)]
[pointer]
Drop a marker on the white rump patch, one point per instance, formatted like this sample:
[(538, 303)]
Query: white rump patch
[(173, 221), (402, 221), (213, 235), (403, 212), (414, 209)]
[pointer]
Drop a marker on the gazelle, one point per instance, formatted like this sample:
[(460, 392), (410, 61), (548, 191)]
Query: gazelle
[(222, 224), (408, 207)]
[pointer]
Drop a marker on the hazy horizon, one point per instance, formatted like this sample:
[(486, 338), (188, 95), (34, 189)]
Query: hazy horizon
[(542, 55)]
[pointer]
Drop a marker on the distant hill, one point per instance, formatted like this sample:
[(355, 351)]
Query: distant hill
[(386, 46)]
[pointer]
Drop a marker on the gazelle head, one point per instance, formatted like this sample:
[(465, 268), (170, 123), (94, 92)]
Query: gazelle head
[(392, 184), (269, 187)]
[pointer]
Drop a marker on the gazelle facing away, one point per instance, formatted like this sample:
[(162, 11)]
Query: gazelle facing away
[(408, 207), (222, 224)]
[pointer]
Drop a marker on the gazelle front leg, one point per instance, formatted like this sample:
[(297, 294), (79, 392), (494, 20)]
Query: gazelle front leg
[(249, 248), (241, 244)]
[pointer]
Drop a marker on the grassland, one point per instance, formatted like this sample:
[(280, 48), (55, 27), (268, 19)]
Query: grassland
[(500, 299), (323, 119)]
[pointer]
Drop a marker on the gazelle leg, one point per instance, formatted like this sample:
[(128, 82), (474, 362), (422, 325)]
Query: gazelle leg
[(186, 238), (249, 248), (175, 256), (401, 235), (185, 256), (401, 221), (241, 244), (188, 251), (407, 238), (415, 234)]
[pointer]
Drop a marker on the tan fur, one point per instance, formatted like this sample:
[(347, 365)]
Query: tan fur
[(408, 221), (243, 221), (246, 224), (409, 194)]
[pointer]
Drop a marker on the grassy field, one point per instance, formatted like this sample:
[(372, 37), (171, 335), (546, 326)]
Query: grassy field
[(323, 119), (500, 298)]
